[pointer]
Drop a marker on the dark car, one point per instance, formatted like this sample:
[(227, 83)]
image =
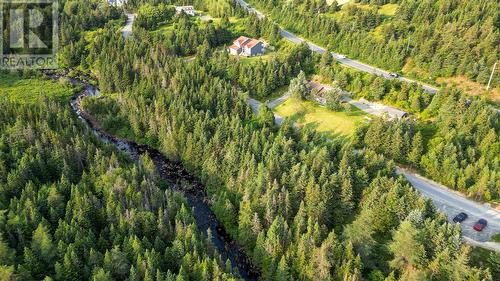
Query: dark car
[(460, 217), (394, 75), (480, 225)]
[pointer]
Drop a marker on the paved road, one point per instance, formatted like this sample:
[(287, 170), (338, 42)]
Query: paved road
[(346, 61), (452, 203), (447, 201), (278, 101), (127, 29), (255, 105)]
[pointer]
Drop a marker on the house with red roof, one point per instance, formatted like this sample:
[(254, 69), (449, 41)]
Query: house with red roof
[(248, 47)]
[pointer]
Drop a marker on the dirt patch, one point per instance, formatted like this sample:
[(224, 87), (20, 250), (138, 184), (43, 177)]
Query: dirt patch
[(471, 87)]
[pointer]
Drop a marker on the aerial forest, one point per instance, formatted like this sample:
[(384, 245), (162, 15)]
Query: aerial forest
[(427, 39), (301, 205)]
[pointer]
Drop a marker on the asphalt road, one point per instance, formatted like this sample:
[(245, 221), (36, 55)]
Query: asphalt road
[(446, 200), (127, 29), (451, 203), (343, 60), (255, 105)]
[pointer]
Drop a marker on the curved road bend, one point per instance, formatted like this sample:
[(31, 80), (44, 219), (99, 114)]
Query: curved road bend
[(451, 203), (127, 29), (346, 61), (444, 199)]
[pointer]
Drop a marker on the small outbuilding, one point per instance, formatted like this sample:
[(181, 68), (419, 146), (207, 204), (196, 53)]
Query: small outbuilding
[(188, 10)]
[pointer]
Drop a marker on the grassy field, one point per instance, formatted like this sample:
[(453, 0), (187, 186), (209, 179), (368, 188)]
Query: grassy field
[(324, 120), (496, 237), (266, 57), (388, 9), (18, 89), (471, 87)]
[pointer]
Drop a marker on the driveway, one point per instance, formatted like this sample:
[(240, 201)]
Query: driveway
[(127, 29), (255, 105), (444, 199)]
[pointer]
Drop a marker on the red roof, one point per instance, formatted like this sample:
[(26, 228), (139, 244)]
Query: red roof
[(241, 40), (234, 47), (252, 43)]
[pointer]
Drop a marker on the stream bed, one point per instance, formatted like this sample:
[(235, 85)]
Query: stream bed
[(177, 178)]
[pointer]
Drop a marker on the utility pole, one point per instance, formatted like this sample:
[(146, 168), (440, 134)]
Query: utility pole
[(491, 76)]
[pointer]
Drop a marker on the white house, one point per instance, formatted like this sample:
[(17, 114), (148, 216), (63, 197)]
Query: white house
[(188, 10), (247, 47), (117, 2)]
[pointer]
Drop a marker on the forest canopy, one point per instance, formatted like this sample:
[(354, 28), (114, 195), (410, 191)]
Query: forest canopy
[(302, 206)]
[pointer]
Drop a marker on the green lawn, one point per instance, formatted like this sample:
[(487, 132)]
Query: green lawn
[(496, 237), (324, 120), (21, 90), (388, 9), (164, 29), (266, 57)]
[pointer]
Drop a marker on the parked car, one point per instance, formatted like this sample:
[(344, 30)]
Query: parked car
[(480, 225), (394, 75), (341, 57), (460, 217)]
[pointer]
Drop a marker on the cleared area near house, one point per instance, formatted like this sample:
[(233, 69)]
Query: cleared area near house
[(378, 109), (339, 2), (308, 113)]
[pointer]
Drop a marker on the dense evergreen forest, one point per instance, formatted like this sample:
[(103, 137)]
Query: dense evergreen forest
[(459, 147), (303, 207), (430, 38), (74, 209), (454, 138), (287, 196)]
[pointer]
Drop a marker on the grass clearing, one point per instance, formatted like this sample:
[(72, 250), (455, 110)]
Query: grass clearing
[(30, 90), (164, 29), (378, 32), (496, 237), (265, 57), (339, 2), (308, 113), (388, 9), (471, 87)]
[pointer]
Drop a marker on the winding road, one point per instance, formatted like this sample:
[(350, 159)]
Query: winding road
[(444, 199), (127, 29), (341, 59)]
